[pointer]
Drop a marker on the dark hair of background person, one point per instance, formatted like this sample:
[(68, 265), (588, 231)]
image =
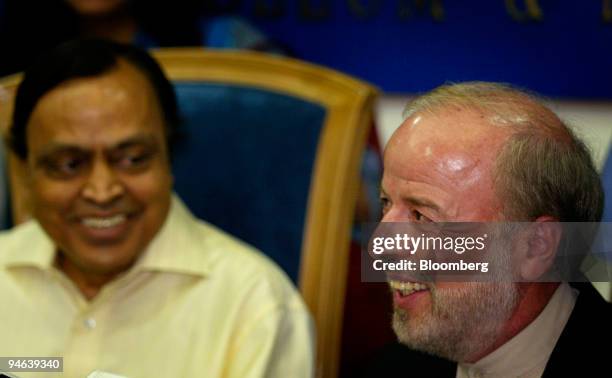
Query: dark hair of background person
[(30, 27), (80, 59)]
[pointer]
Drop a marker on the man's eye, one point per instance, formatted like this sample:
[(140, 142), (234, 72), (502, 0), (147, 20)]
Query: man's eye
[(134, 160), (419, 217), (64, 167)]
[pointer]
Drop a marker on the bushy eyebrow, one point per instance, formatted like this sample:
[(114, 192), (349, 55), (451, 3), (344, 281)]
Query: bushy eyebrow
[(57, 147), (138, 140), (415, 200), (422, 202)]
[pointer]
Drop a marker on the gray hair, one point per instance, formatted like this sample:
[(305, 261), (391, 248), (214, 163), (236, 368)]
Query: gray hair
[(543, 169)]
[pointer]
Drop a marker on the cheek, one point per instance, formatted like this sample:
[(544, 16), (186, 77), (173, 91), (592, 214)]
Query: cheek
[(47, 195), (149, 188), (152, 194), (480, 206)]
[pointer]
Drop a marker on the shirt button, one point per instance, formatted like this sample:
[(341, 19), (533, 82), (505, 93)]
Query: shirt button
[(90, 323)]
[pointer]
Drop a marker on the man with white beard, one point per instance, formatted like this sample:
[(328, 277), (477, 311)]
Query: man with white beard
[(484, 152)]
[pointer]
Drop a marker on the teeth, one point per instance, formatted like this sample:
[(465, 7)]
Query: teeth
[(104, 222), (407, 288)]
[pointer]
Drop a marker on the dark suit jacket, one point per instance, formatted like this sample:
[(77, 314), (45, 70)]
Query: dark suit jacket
[(584, 348)]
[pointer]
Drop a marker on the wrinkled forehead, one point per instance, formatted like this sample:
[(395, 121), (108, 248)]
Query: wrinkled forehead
[(455, 141)]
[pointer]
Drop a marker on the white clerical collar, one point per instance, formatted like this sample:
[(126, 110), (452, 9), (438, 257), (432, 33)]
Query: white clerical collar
[(526, 354)]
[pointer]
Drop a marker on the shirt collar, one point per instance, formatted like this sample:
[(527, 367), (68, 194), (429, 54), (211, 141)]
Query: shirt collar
[(32, 249), (181, 246), (530, 348)]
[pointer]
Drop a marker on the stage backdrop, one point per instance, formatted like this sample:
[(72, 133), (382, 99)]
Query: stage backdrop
[(560, 48)]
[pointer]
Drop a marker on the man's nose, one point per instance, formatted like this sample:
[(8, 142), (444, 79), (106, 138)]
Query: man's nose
[(103, 185)]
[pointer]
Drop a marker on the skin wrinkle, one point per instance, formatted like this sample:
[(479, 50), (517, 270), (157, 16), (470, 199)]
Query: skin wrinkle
[(442, 322), (527, 163), (446, 148)]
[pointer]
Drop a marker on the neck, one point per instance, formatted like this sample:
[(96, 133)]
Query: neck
[(88, 283), (119, 26), (533, 297)]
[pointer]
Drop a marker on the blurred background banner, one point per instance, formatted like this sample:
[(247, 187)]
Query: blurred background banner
[(559, 48)]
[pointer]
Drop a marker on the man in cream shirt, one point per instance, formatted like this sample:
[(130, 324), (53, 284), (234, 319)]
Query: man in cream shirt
[(485, 152), (114, 274)]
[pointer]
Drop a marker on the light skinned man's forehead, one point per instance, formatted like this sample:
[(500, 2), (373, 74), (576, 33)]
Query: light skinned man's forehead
[(446, 155), (454, 139)]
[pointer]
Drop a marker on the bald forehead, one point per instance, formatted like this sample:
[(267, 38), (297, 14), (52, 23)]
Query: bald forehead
[(448, 157), (451, 130)]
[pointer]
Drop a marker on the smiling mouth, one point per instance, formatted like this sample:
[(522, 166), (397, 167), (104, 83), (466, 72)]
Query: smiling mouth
[(407, 288), (101, 223)]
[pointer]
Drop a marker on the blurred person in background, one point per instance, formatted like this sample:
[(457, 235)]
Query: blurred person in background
[(29, 27)]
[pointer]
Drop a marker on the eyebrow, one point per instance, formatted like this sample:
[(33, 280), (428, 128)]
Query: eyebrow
[(418, 201), (135, 140), (56, 147)]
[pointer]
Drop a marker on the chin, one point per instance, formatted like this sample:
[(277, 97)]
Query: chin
[(104, 260)]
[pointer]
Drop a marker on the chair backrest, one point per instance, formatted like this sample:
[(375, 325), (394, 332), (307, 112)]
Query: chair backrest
[(606, 178), (270, 151), (16, 194)]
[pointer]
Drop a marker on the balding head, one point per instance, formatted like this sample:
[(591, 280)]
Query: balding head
[(483, 152), (541, 167), (448, 158)]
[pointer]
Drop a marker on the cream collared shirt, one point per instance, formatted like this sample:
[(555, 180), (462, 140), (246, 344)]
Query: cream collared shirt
[(198, 303), (526, 354)]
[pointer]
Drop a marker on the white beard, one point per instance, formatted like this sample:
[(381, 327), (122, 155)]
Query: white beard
[(464, 321)]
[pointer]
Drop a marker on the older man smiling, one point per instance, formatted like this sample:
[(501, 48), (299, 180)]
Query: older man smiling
[(484, 152)]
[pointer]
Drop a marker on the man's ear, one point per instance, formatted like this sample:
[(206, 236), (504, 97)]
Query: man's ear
[(541, 249), (21, 188)]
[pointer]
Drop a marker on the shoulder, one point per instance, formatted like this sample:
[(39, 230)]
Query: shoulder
[(592, 313), (393, 359), (244, 268), (585, 335), (230, 32), (18, 240)]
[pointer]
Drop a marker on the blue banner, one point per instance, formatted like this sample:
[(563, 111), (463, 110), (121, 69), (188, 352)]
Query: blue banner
[(560, 48)]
